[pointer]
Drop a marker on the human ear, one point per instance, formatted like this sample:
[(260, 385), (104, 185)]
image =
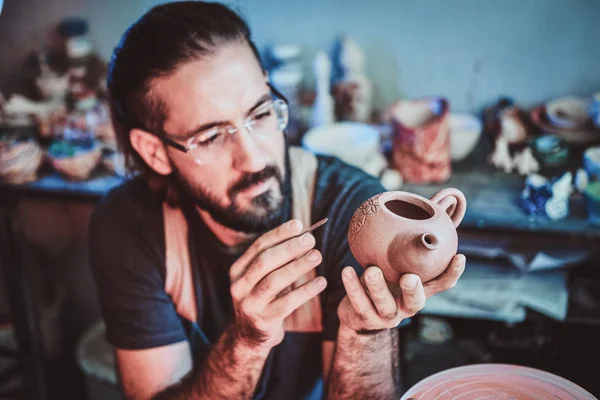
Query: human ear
[(152, 150)]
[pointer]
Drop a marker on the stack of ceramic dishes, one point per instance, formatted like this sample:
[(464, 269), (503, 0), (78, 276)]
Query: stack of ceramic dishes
[(20, 160), (569, 118)]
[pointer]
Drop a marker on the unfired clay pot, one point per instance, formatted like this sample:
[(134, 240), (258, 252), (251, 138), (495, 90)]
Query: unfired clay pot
[(402, 232)]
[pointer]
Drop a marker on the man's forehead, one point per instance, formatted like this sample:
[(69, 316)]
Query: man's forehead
[(218, 87)]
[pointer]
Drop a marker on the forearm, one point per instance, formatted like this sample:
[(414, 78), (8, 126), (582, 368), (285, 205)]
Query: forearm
[(230, 371), (365, 366)]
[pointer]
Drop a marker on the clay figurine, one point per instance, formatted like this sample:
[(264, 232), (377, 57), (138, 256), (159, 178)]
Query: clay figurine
[(49, 83), (500, 158), (581, 180), (402, 232), (353, 91), (323, 107), (525, 163)]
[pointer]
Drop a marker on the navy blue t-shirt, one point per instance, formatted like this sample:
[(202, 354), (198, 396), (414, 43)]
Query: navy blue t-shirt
[(127, 255)]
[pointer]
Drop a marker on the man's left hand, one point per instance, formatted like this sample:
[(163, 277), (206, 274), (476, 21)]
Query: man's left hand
[(370, 305)]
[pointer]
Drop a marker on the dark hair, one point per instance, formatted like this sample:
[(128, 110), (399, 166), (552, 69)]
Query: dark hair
[(163, 39)]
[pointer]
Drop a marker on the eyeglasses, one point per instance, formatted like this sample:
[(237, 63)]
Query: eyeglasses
[(205, 147)]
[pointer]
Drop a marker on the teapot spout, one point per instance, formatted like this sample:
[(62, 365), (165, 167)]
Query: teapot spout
[(430, 240)]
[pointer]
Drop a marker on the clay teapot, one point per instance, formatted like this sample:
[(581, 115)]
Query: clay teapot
[(402, 232)]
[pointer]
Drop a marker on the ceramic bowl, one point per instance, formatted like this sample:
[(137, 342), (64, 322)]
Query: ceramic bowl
[(465, 131), (567, 112), (74, 161), (355, 143)]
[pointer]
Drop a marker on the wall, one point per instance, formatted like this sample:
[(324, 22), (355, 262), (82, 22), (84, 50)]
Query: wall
[(469, 50)]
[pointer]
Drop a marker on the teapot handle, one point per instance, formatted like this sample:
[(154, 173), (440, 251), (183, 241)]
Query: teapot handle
[(453, 202)]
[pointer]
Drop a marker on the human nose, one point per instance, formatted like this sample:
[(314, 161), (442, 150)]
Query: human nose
[(247, 152)]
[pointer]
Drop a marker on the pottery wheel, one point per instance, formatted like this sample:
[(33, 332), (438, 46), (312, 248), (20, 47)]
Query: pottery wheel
[(495, 381)]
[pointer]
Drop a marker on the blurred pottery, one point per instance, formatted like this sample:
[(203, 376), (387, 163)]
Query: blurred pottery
[(19, 161), (580, 135), (465, 131), (355, 143), (567, 112), (507, 120), (421, 145), (73, 161)]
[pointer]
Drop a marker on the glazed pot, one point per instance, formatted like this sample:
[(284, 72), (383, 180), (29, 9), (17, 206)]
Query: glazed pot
[(402, 232), (421, 145)]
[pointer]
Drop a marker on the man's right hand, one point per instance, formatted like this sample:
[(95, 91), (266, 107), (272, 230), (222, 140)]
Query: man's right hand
[(258, 278)]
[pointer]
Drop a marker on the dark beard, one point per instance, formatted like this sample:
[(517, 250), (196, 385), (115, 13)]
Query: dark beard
[(268, 213)]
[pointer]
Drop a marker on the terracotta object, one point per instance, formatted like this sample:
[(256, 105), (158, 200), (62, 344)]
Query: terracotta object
[(581, 135), (506, 119), (402, 232), (421, 144), (512, 126), (497, 381)]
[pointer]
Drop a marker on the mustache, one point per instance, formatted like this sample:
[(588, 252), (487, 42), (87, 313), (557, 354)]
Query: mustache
[(252, 179)]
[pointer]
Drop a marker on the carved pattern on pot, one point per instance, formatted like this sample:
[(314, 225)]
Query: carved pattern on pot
[(371, 206)]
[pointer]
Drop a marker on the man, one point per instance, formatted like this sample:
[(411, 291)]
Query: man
[(206, 287)]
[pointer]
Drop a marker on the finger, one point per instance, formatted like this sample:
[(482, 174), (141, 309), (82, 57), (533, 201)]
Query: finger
[(413, 294), (269, 239), (285, 305), (275, 282), (361, 303), (448, 278), (274, 258), (380, 294)]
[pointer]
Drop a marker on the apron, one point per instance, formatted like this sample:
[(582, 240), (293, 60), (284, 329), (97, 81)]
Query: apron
[(182, 283)]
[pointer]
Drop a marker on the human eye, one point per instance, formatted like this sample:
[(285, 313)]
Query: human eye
[(263, 114), (207, 138)]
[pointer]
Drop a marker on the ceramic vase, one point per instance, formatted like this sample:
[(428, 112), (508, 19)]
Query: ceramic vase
[(421, 144)]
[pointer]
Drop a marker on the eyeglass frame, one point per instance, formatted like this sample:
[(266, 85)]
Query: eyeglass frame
[(164, 137)]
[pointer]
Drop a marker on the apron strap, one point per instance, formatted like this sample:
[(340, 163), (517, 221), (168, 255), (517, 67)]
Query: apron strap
[(179, 282), (308, 317)]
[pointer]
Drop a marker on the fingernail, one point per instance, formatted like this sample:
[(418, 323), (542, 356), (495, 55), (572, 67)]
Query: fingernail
[(410, 283), (313, 255), (374, 276), (321, 282), (294, 225), (347, 273), (307, 240)]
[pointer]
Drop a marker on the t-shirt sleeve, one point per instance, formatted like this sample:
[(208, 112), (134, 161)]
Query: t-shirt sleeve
[(126, 258), (339, 255)]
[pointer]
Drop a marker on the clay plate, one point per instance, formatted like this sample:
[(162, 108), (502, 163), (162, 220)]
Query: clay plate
[(496, 381), (581, 135)]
